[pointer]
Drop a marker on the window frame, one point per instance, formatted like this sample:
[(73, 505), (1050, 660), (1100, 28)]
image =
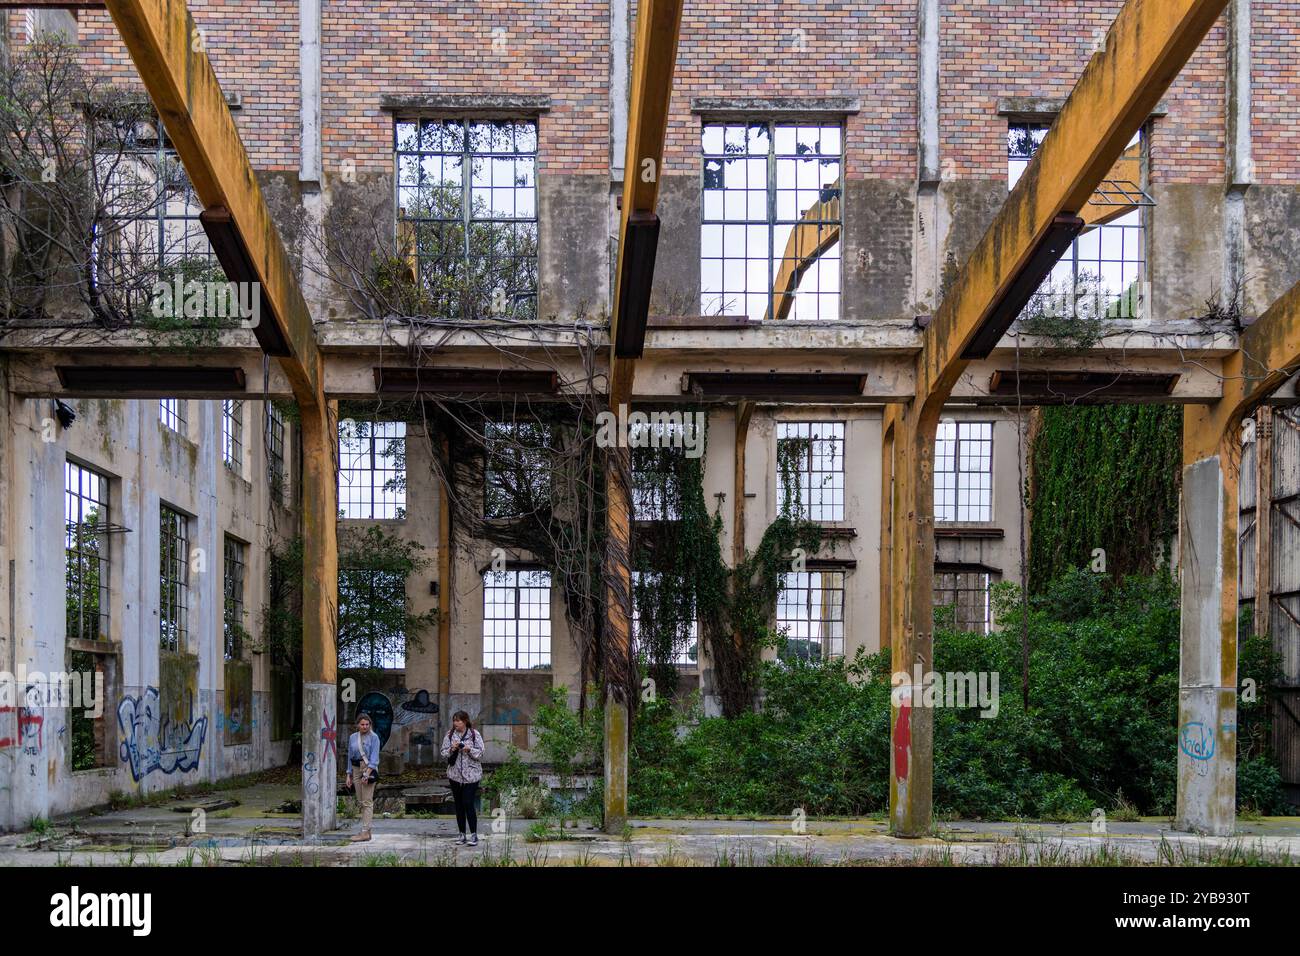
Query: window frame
[(772, 220), (234, 558), (395, 584), (174, 578), (957, 472), (232, 434), (102, 555), (838, 492), (956, 573), (833, 646), (545, 657), (374, 495), (467, 220)]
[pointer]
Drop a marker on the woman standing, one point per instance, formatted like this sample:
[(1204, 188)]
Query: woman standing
[(363, 771), (463, 749)]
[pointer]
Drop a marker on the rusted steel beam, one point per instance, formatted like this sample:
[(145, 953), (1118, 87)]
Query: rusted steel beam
[(167, 48), (1146, 47), (654, 58)]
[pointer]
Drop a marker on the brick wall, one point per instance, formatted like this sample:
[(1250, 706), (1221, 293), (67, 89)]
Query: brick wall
[(991, 49), (1275, 78), (405, 47), (751, 48), (254, 51)]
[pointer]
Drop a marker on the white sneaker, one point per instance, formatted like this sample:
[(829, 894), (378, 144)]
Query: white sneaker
[(462, 841)]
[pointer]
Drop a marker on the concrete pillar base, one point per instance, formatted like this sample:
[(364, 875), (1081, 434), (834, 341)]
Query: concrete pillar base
[(1207, 755), (320, 743)]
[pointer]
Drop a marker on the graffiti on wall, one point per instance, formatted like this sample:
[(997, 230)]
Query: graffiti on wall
[(152, 742), (1197, 742), (237, 720)]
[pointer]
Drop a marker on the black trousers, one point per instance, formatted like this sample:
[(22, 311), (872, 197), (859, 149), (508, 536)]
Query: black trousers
[(466, 796)]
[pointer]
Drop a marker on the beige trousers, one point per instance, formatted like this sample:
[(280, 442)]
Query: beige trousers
[(365, 797)]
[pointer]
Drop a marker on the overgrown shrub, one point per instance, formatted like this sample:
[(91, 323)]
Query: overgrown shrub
[(1100, 730)]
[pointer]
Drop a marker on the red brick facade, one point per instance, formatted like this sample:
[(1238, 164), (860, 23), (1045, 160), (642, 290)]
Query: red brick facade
[(989, 49)]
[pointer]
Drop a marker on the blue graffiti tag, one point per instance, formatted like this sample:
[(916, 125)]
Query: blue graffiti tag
[(1196, 740), (149, 743)]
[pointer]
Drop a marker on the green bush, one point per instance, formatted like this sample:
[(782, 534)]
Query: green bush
[(1100, 728)]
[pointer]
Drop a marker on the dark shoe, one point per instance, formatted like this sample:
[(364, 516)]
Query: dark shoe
[(462, 841), (473, 839)]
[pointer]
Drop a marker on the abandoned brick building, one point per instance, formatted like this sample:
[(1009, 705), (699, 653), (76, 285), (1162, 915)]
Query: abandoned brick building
[(828, 168)]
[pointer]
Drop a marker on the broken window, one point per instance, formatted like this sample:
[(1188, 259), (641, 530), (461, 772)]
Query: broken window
[(149, 230), (963, 471), (467, 214), (370, 641), (233, 610), (683, 630), (275, 449), (232, 434), (174, 563), (1106, 265), (810, 465), (517, 468), (172, 413), (770, 234), (810, 615), (372, 469), (516, 620), (656, 450), (86, 530), (961, 599)]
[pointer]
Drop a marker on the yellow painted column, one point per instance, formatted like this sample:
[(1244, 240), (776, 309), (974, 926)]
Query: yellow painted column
[(910, 434), (320, 733)]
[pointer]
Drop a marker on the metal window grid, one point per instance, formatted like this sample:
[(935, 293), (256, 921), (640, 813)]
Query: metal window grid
[(686, 655), (174, 562), (967, 593), (1114, 253), (169, 231), (516, 620), (810, 610), (274, 445), (963, 471), (761, 181), (372, 473), (232, 434), (86, 528), (819, 468), (233, 587), (476, 232), (172, 412)]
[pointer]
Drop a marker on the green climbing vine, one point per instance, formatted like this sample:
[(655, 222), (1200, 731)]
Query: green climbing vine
[(1103, 477), (683, 577)]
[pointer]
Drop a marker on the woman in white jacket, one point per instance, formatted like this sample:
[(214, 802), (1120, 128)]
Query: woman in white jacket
[(462, 748)]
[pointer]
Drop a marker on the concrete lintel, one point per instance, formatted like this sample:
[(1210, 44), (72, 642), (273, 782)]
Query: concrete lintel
[(1043, 109), (781, 106), (480, 104)]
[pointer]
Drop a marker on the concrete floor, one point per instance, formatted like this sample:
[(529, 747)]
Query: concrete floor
[(249, 826)]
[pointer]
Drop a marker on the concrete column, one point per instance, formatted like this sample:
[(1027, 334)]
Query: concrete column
[(309, 33), (320, 739), (926, 266), (1239, 164), (1207, 694), (909, 442)]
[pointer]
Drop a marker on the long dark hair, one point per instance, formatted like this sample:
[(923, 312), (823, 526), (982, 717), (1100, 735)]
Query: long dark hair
[(460, 715)]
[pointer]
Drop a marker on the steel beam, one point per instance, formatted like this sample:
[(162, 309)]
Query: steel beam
[(1145, 49), (168, 50)]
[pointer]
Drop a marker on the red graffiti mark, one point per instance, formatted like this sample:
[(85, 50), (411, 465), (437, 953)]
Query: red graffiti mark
[(8, 741), (328, 734), (903, 739), (28, 719)]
